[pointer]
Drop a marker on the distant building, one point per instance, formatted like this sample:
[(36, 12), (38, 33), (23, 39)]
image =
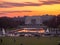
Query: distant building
[(33, 21)]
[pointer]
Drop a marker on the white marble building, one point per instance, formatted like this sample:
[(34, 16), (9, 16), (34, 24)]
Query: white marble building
[(34, 20)]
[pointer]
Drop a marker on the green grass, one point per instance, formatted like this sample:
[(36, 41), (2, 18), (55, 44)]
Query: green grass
[(29, 40)]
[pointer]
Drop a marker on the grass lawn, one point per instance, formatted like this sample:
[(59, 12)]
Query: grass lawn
[(29, 40)]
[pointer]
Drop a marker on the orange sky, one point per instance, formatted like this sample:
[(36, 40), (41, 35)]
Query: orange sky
[(13, 8)]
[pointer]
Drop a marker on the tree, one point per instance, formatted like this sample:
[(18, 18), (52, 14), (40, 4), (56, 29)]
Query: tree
[(51, 23)]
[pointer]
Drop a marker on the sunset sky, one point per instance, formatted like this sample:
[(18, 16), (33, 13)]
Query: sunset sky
[(13, 8)]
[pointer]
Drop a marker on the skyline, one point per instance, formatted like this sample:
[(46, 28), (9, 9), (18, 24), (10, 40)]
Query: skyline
[(13, 8)]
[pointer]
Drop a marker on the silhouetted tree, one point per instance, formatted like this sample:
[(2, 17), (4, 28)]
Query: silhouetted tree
[(52, 23), (7, 22)]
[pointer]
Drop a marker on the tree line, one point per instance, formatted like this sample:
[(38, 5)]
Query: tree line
[(7, 22), (53, 23)]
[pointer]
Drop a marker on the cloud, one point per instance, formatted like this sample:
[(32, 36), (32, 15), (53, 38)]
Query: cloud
[(10, 4), (49, 2), (3, 5), (44, 2), (5, 12)]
